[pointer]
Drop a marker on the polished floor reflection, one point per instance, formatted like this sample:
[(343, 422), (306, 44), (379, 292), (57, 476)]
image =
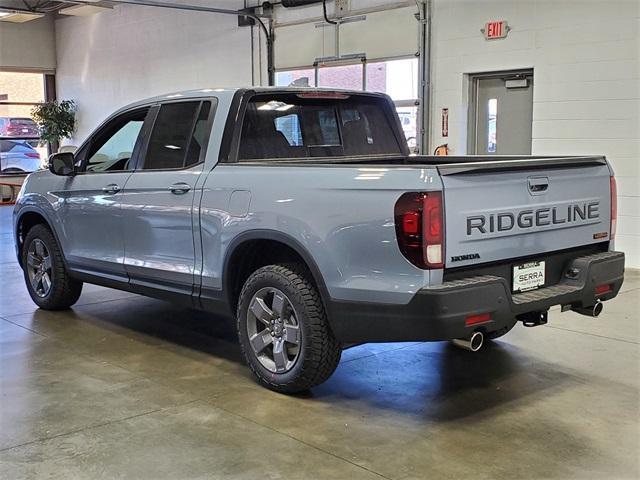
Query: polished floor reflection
[(122, 386)]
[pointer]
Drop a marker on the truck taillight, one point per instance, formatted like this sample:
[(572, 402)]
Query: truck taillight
[(420, 228), (614, 208)]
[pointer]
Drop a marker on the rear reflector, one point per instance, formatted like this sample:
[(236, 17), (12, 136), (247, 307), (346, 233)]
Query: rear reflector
[(476, 319), (614, 208), (602, 289), (32, 155)]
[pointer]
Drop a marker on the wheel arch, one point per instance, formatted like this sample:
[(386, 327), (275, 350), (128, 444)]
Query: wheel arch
[(243, 241), (25, 221)]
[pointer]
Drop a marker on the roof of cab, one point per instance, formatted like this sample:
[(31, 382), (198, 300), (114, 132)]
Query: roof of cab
[(229, 92)]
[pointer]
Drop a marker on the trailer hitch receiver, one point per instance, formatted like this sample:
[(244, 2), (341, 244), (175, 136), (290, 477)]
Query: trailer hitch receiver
[(533, 319)]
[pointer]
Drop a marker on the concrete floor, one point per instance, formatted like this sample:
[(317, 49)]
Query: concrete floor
[(122, 386)]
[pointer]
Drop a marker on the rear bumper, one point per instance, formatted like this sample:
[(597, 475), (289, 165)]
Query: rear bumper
[(439, 313)]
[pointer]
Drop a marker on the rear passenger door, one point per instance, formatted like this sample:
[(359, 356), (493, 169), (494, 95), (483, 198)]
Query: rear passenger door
[(158, 204)]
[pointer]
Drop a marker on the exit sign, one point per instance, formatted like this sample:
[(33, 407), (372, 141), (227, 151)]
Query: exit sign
[(497, 29)]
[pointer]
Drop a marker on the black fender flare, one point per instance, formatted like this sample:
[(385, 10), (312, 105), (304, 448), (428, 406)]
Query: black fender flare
[(47, 222), (289, 241)]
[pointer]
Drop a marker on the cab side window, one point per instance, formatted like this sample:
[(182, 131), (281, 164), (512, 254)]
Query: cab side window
[(112, 148), (179, 135)]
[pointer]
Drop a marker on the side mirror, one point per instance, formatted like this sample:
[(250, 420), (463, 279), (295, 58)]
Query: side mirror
[(62, 163)]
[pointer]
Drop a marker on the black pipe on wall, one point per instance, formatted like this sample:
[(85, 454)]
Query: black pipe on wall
[(298, 3)]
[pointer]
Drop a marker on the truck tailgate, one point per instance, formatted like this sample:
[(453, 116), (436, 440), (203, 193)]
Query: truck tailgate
[(498, 212)]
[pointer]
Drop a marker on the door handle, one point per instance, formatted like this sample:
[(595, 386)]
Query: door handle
[(180, 188), (111, 188)]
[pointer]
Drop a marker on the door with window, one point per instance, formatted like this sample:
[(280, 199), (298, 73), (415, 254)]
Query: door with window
[(502, 114), (158, 205), (91, 217)]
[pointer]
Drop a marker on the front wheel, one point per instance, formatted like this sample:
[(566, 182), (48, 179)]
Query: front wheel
[(283, 330), (47, 279)]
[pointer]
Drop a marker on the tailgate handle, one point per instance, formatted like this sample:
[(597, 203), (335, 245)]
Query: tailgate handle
[(538, 185)]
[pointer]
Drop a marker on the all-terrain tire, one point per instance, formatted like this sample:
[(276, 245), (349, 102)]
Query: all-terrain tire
[(64, 290), (319, 352)]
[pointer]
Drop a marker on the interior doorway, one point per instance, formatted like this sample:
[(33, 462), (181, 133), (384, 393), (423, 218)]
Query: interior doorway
[(501, 113)]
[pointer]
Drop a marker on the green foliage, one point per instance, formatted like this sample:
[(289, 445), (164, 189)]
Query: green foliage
[(57, 120)]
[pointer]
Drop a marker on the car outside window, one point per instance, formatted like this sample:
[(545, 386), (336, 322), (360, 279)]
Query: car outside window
[(289, 126)]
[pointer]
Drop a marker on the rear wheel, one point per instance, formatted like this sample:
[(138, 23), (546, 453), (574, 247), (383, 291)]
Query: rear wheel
[(46, 277), (283, 330)]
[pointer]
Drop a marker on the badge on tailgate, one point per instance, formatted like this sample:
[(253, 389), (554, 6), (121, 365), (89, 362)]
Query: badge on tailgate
[(528, 276)]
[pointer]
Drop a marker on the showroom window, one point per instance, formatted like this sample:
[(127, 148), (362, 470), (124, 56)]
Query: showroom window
[(398, 78), (296, 78), (350, 77), (20, 151)]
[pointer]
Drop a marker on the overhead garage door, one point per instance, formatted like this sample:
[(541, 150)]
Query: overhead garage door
[(391, 33)]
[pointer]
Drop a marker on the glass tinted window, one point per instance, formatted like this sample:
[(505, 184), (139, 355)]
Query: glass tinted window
[(200, 135), (326, 132), (171, 134), (112, 148), (299, 126)]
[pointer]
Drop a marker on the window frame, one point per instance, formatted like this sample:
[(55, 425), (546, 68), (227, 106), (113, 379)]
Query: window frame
[(230, 147), (139, 167)]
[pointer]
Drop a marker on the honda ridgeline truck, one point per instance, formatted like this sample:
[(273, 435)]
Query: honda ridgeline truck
[(301, 213)]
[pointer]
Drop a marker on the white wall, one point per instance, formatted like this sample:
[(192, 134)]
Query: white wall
[(29, 45), (111, 59), (586, 60)]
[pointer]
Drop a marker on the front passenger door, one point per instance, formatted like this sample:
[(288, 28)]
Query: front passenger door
[(91, 218)]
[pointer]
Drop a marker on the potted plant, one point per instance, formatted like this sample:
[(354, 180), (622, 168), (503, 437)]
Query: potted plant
[(56, 120)]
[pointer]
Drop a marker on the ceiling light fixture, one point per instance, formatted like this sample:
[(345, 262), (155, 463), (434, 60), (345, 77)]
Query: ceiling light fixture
[(83, 10), (19, 17)]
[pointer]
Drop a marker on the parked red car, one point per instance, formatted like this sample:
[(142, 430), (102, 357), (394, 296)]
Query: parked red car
[(15, 127)]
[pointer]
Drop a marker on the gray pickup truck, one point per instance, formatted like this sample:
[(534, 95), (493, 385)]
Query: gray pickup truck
[(301, 213)]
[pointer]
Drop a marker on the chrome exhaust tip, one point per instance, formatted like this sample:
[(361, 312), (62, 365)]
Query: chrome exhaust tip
[(597, 308), (473, 343), (592, 311)]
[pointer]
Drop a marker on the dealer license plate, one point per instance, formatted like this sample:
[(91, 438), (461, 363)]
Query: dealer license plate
[(528, 276)]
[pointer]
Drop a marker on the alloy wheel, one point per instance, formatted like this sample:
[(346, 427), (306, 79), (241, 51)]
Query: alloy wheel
[(39, 268), (273, 330)]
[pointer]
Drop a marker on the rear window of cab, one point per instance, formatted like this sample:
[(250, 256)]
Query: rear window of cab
[(297, 126)]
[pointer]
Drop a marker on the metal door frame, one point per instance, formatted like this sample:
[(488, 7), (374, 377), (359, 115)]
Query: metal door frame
[(472, 117)]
